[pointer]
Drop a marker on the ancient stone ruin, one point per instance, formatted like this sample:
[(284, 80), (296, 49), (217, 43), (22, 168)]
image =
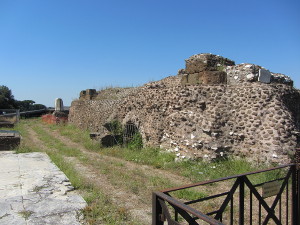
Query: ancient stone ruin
[(9, 139), (59, 105), (59, 116), (9, 117), (212, 108)]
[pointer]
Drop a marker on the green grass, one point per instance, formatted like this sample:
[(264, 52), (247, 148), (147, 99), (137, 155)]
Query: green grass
[(78, 136), (194, 170), (101, 208), (24, 147), (118, 176), (189, 194), (53, 143)]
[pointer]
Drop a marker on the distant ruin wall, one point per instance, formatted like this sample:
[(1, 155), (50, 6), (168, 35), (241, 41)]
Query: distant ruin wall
[(90, 114), (243, 116)]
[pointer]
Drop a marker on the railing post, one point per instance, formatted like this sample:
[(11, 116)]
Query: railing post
[(156, 211), (242, 201)]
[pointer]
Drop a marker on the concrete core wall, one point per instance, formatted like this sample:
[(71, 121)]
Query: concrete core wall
[(240, 117)]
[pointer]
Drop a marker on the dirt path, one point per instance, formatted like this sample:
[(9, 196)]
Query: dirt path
[(148, 170), (123, 199), (134, 199)]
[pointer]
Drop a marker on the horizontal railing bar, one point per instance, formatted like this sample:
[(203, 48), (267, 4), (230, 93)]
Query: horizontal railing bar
[(212, 213), (224, 178), (207, 198), (260, 184), (8, 115), (33, 111), (188, 209)]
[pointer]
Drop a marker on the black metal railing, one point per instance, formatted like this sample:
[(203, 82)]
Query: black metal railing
[(275, 201)]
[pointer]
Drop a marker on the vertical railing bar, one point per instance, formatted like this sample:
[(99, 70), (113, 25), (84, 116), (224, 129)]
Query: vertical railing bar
[(287, 203), (176, 216), (280, 208), (156, 211), (250, 207), (227, 199), (231, 211), (259, 213), (241, 201)]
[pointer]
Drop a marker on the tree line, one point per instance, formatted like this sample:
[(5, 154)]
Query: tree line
[(7, 101)]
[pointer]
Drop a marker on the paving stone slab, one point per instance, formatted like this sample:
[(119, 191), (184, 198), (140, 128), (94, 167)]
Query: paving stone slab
[(34, 191)]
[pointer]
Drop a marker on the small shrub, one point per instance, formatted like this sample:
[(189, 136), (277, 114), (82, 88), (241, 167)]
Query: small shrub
[(136, 142)]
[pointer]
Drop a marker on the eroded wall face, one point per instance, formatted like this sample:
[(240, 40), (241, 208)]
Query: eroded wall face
[(210, 121), (92, 114), (212, 108)]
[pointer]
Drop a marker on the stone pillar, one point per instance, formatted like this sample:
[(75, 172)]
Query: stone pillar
[(59, 105)]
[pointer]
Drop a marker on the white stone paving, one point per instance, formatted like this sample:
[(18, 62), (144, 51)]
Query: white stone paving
[(34, 191)]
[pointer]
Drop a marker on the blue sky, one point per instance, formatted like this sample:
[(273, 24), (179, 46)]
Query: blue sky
[(56, 48)]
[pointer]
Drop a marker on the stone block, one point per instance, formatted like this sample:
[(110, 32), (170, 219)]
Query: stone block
[(213, 77), (82, 94), (206, 62), (195, 66), (184, 79), (264, 76), (91, 91), (9, 139), (194, 78), (88, 94)]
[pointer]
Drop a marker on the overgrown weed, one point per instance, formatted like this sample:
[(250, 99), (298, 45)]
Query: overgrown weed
[(195, 170)]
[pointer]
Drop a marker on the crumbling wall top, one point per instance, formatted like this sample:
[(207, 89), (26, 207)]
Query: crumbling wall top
[(211, 69), (206, 62)]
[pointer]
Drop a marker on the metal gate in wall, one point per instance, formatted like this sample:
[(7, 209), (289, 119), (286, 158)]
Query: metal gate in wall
[(274, 201), (130, 130)]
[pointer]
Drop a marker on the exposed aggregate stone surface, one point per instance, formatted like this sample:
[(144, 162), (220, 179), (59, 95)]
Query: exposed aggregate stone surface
[(206, 118)]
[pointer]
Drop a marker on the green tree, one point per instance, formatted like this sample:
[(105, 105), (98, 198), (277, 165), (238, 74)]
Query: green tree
[(28, 105), (7, 100), (24, 105)]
